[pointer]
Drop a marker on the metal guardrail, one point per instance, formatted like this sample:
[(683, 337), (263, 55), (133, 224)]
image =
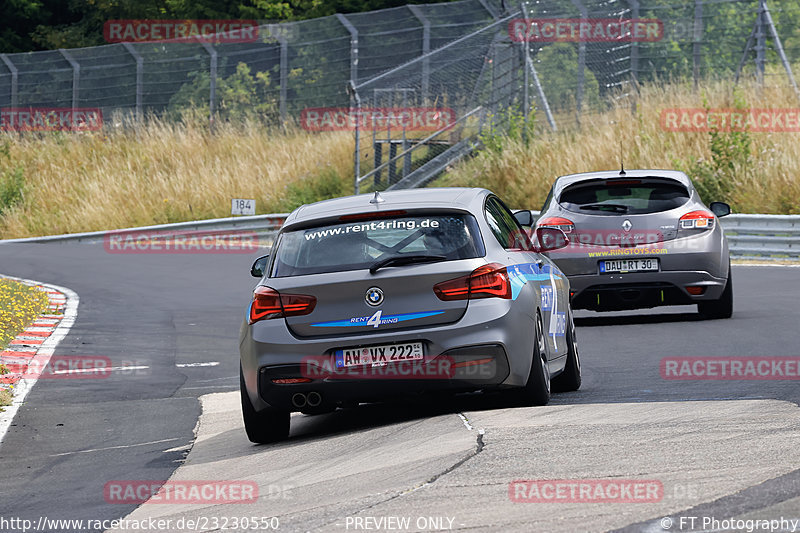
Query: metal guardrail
[(749, 236), (763, 236), (264, 226)]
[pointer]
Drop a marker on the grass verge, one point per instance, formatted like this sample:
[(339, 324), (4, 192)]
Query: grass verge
[(163, 172)]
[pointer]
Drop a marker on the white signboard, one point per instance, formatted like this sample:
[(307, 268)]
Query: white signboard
[(243, 207)]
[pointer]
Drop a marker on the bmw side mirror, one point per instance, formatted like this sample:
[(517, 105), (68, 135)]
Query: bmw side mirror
[(259, 266), (720, 209), (550, 239), (524, 217)]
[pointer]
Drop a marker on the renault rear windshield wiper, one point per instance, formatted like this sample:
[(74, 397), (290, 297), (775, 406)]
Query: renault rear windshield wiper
[(617, 208), (398, 260)]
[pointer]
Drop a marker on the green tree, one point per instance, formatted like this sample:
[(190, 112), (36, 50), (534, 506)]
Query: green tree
[(242, 95), (557, 66)]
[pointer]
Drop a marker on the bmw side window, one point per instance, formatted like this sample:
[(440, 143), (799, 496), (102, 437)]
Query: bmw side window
[(495, 221), (504, 226)]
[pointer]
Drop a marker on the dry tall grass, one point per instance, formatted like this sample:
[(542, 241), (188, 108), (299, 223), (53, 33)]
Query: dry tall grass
[(161, 173), (523, 174), (172, 172)]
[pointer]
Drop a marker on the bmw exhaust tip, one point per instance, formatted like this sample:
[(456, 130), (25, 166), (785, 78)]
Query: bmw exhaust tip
[(299, 400), (314, 399)]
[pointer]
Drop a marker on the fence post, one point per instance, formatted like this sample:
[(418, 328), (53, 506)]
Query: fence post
[(539, 88), (581, 63), (355, 98), (761, 44), (284, 74), (76, 80), (139, 66), (426, 47), (779, 47), (14, 79), (697, 34), (212, 91), (634, 60), (353, 47), (490, 9), (526, 94)]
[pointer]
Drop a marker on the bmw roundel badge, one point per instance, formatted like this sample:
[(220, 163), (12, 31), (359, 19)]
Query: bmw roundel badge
[(374, 296)]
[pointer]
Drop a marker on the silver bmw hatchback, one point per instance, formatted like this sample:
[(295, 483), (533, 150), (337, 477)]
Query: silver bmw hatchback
[(370, 297), (639, 239)]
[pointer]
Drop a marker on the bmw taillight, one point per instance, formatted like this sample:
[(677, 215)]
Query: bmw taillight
[(269, 303), (487, 281), (701, 220), (564, 224)]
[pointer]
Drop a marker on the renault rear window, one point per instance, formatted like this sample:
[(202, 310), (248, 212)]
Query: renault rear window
[(360, 244), (624, 196)]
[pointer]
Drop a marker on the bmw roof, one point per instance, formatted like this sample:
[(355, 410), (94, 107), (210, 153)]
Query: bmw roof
[(445, 197)]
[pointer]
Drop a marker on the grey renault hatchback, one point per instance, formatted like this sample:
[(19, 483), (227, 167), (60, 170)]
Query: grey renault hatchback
[(639, 239), (371, 297)]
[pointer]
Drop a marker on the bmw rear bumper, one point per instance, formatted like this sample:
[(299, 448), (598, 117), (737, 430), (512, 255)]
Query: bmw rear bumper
[(489, 347)]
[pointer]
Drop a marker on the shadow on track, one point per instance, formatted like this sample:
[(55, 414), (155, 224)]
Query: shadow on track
[(623, 320)]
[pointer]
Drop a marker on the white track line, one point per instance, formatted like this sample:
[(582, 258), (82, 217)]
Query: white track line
[(120, 447), (44, 353), (193, 365), (100, 370)]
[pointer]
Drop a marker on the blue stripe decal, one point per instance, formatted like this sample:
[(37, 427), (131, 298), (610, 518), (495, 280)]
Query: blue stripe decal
[(525, 272), (385, 319)]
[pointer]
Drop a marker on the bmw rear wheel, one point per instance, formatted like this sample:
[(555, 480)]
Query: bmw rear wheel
[(537, 390), (262, 427)]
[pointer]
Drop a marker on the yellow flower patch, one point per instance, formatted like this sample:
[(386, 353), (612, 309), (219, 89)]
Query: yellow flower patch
[(20, 304)]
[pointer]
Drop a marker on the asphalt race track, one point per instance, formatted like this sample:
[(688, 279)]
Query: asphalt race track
[(720, 449)]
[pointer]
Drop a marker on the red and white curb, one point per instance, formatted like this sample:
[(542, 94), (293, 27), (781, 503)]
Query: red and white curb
[(36, 344)]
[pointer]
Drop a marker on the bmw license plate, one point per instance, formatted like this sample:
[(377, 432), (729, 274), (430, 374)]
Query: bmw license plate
[(629, 265), (376, 355)]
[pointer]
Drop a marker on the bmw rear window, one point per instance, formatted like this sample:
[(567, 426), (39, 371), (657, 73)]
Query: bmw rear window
[(624, 196), (362, 243)]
